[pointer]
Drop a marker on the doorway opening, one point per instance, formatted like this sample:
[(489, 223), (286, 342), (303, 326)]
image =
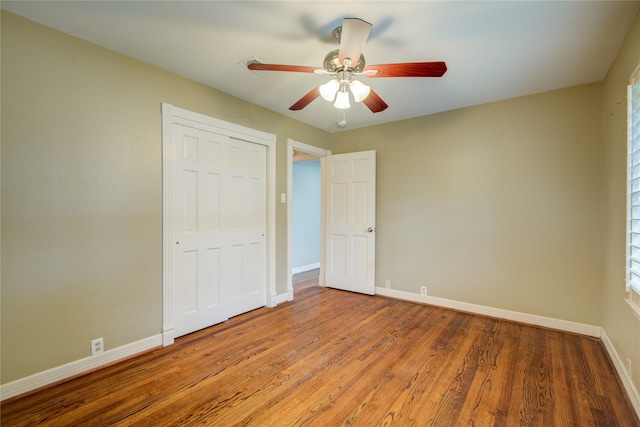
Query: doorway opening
[(305, 211)]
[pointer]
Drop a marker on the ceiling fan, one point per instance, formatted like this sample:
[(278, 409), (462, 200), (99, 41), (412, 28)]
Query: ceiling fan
[(342, 65)]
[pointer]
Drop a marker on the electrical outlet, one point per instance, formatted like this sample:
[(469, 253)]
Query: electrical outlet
[(629, 367), (423, 290), (387, 283), (97, 346)]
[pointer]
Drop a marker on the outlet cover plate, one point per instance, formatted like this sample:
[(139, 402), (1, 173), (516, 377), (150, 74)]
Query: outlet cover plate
[(97, 346)]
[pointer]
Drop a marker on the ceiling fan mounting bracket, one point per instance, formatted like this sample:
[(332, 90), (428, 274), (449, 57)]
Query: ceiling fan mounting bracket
[(337, 33)]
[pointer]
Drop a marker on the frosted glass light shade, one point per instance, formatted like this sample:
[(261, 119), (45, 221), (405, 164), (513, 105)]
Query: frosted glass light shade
[(342, 100), (328, 90), (359, 90)]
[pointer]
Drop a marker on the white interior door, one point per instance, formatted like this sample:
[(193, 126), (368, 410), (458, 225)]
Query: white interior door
[(246, 225), (350, 221), (219, 227)]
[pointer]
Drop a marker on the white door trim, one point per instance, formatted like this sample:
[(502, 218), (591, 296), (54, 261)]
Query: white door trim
[(320, 152), (175, 115)]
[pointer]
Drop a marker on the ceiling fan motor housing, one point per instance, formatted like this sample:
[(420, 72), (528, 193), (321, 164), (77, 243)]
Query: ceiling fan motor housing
[(332, 63)]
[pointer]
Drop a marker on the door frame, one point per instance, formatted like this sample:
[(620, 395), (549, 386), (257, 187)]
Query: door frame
[(175, 115), (321, 153)]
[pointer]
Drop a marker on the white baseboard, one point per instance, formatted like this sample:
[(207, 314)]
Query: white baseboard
[(303, 268), (627, 382), (279, 299), (168, 334), (531, 319), (77, 367)]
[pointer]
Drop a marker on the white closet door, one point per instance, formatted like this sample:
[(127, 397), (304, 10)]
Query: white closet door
[(219, 226), (247, 227)]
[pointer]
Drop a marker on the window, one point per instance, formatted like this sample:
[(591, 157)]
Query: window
[(633, 193)]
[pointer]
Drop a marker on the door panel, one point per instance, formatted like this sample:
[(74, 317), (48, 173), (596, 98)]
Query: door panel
[(248, 240), (350, 221), (190, 291), (213, 276), (219, 209)]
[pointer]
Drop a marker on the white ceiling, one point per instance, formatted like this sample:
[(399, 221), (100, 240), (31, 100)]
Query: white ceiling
[(494, 49)]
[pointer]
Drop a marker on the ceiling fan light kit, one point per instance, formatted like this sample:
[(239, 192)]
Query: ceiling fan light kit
[(342, 100), (328, 90), (359, 90), (337, 89), (339, 64)]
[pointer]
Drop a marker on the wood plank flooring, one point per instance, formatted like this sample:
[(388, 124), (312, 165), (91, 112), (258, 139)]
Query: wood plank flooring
[(334, 358)]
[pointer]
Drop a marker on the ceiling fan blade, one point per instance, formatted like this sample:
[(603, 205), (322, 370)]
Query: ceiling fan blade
[(374, 102), (352, 39), (407, 69), (306, 100), (257, 66)]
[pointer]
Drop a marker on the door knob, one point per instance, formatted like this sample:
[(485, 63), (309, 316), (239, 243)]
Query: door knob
[(371, 229)]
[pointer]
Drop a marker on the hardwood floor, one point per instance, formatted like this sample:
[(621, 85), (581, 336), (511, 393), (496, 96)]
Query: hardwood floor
[(333, 358)]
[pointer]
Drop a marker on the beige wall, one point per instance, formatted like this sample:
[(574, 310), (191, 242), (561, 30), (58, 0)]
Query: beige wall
[(82, 192), (498, 205), (618, 322)]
